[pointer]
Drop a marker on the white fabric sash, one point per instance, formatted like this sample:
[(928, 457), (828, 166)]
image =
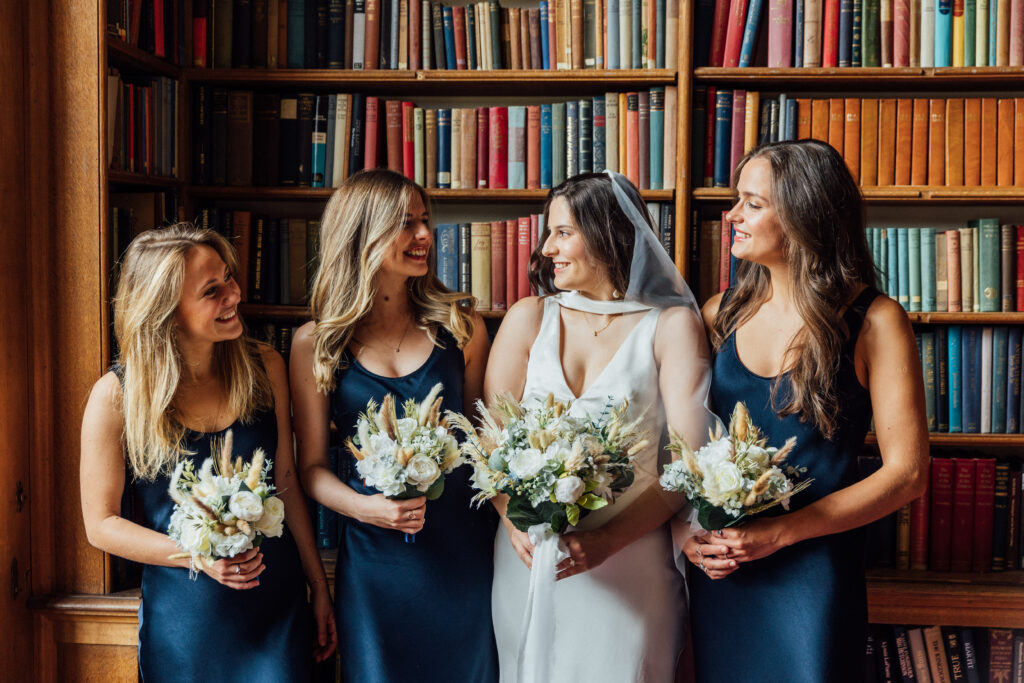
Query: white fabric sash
[(577, 301), (537, 635)]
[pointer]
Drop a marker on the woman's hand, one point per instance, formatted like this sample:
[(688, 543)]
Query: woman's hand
[(708, 556), (323, 612), (755, 539), (240, 572), (587, 549), (520, 543), (402, 515)]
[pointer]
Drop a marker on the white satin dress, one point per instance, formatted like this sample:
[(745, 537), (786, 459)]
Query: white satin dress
[(621, 622)]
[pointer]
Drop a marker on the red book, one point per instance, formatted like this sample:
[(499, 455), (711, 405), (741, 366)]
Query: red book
[(780, 34), (1016, 33), (523, 257), (717, 56), (709, 139), (734, 32), (371, 133), (984, 510), (415, 44), (901, 33), (1013, 531), (962, 544), (632, 137), (919, 532), (498, 277), (459, 25), (199, 23), (533, 147), (511, 261), (393, 125), (941, 515), (724, 253), (830, 34), (1020, 267), (158, 28), (371, 46), (497, 128), (482, 145), (409, 142)]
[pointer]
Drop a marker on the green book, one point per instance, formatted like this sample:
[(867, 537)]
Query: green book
[(883, 263), (970, 30), (928, 291), (967, 268), (902, 268), (928, 366), (988, 256), (976, 236), (1000, 339), (870, 27), (914, 267)]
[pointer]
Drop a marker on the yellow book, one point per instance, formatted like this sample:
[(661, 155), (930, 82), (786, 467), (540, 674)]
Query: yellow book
[(480, 264), (958, 36), (750, 120)]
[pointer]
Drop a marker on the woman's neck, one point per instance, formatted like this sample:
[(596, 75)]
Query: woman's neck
[(780, 292), (196, 362), (601, 291), (391, 302)]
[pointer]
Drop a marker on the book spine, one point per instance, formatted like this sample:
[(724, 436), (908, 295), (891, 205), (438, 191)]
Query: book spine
[(408, 141), (585, 133), (961, 545), (942, 378), (523, 242), (919, 529), (723, 136), (483, 140), (545, 146), (928, 367), (498, 129), (431, 144), (989, 259), (928, 270), (750, 32), (508, 228), (971, 382), (444, 147), (558, 143), (913, 256), (955, 345), (448, 255), (1013, 380), (319, 142), (1000, 516), (943, 33), (734, 32), (498, 256), (984, 501), (941, 514), (516, 147), (901, 33), (465, 258), (657, 138), (845, 33), (830, 34), (1000, 341), (928, 32)]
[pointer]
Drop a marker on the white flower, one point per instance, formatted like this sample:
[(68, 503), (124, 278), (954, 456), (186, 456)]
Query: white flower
[(526, 463), (195, 536), (559, 451), (406, 426), (363, 429), (725, 479), (482, 478), (229, 546), (381, 444), (246, 505), (568, 489), (271, 524), (604, 481), (758, 456), (714, 453), (421, 472)]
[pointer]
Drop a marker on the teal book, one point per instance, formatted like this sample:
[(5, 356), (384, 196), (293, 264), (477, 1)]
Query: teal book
[(970, 383), (944, 33), (545, 145), (928, 367), (517, 147), (636, 41), (892, 261), (882, 264), (988, 247), (332, 126), (954, 334), (319, 141), (448, 27), (660, 9), (1000, 372), (993, 31), (928, 291), (497, 53), (444, 148), (942, 378), (914, 267), (657, 148), (572, 138), (1013, 379), (750, 32), (557, 143), (970, 30), (976, 237), (296, 57), (903, 267)]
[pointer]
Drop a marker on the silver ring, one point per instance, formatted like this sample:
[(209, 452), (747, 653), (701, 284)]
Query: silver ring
[(701, 565), (572, 562), (699, 553), (237, 569)]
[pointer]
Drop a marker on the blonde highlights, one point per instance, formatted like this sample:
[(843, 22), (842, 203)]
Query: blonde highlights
[(363, 218), (149, 290)]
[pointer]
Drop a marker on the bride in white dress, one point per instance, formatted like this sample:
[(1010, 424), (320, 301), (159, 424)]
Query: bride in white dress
[(622, 325)]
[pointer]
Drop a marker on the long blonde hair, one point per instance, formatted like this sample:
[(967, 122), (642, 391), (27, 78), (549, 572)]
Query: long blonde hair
[(148, 293), (363, 218)]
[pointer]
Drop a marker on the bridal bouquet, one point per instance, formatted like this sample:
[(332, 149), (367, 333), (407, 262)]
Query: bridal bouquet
[(224, 509), (733, 476), (554, 468)]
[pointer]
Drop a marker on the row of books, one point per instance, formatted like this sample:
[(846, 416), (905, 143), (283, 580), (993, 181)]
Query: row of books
[(969, 519), (142, 131), (134, 212), (246, 138), (855, 33), (937, 654), (957, 142), (425, 34), (156, 26), (969, 269)]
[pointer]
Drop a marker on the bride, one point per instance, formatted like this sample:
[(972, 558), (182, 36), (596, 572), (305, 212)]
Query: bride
[(622, 324)]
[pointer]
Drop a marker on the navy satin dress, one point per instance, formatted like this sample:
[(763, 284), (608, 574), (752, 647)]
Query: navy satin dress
[(203, 631), (414, 611), (800, 614)]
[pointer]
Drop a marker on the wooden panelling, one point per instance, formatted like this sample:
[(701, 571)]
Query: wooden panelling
[(87, 638)]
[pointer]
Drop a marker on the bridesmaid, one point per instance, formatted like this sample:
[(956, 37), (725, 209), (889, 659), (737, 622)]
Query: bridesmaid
[(383, 323), (813, 349), (187, 374)]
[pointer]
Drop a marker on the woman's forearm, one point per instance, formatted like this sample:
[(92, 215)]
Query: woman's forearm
[(326, 488), (651, 509), (117, 536)]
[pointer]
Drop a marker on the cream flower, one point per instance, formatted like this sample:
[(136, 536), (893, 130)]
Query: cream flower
[(568, 489), (246, 505), (271, 524), (527, 463), (421, 472)]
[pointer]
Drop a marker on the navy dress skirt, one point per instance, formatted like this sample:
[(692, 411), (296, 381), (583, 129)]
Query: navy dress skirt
[(203, 631), (800, 614), (414, 611)]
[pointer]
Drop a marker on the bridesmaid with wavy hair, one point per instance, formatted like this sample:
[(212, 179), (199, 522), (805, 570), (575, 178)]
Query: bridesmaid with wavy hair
[(384, 324), (813, 349)]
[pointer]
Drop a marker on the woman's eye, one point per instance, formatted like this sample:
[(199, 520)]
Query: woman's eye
[(563, 233), (210, 292), (752, 205)]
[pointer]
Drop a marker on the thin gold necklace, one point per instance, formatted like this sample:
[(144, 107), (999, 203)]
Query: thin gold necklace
[(611, 318), (396, 348)]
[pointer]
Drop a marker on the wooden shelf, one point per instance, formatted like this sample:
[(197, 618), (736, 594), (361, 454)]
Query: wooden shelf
[(297, 313), (872, 78), (910, 194), (437, 195), (129, 59), (936, 318), (995, 600), (129, 179), (965, 440)]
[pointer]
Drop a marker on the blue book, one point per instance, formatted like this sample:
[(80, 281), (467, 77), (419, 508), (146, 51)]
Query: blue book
[(1000, 342), (599, 162), (845, 32), (517, 147), (557, 143), (449, 36), (928, 287), (585, 145), (332, 130), (892, 264), (470, 38), (970, 370), (944, 33), (572, 138), (637, 38), (883, 260), (657, 142), (954, 346), (448, 255), (723, 137), (444, 148), (545, 146), (297, 34), (914, 267), (790, 119), (798, 33), (993, 23), (611, 57), (319, 141), (659, 44), (1013, 379), (942, 378), (545, 58), (750, 32), (903, 266)]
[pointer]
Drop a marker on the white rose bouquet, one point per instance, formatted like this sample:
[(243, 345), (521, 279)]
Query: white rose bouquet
[(227, 508), (555, 468), (405, 457), (733, 476)]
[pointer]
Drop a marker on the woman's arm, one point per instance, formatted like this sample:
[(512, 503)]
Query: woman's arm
[(475, 352), (312, 436), (102, 480)]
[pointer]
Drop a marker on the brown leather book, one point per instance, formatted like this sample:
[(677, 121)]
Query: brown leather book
[(1004, 143), (467, 153), (904, 140), (513, 37), (415, 21), (819, 120), (371, 48), (533, 147), (239, 138), (836, 123), (937, 142), (886, 142), (972, 142), (953, 284), (919, 144), (576, 33), (524, 39), (1018, 142), (803, 116), (851, 135), (536, 56), (955, 142), (989, 135), (868, 142), (393, 123)]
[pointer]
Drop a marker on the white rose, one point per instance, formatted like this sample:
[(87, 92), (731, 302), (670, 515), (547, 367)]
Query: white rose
[(229, 546), (727, 479), (271, 524), (568, 489), (195, 537), (421, 472), (758, 456), (381, 444), (526, 463), (712, 454), (406, 426), (246, 505)]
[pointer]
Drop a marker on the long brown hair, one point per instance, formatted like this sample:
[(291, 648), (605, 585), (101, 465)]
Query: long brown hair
[(822, 217)]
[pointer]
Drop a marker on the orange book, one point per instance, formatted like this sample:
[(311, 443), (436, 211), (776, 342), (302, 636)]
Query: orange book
[(750, 127), (868, 142), (499, 268), (533, 147), (836, 123), (523, 234), (393, 122), (803, 117), (1018, 142), (371, 48), (371, 133), (851, 135), (513, 37), (886, 142), (919, 144), (937, 142), (904, 140), (576, 34), (989, 135), (459, 31), (633, 138), (1004, 143), (819, 120), (954, 142), (972, 142), (467, 144)]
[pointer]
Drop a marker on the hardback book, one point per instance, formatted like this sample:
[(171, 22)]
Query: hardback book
[(498, 246), (868, 142), (954, 285), (885, 34), (572, 138), (266, 137), (988, 247), (919, 143), (357, 134), (1013, 540), (936, 142), (532, 147), (918, 655), (954, 141), (239, 137), (585, 134), (927, 55), (913, 256), (332, 133), (1008, 268), (954, 653), (545, 146), (736, 22), (904, 141), (956, 380), (371, 133), (430, 144), (966, 269), (941, 514), (511, 260), (466, 258), (972, 382), (444, 149), (409, 141), (903, 537), (297, 261), (943, 32), (456, 148), (928, 269), (928, 366), (1000, 654), (1013, 380), (886, 142), (935, 646), (448, 255), (919, 530), (942, 377), (962, 545), (558, 143), (851, 135), (483, 140), (870, 19), (1004, 155), (318, 143), (498, 129), (288, 164), (393, 128), (984, 502), (524, 244), (467, 148), (1000, 516), (1000, 341), (989, 140), (656, 139)]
